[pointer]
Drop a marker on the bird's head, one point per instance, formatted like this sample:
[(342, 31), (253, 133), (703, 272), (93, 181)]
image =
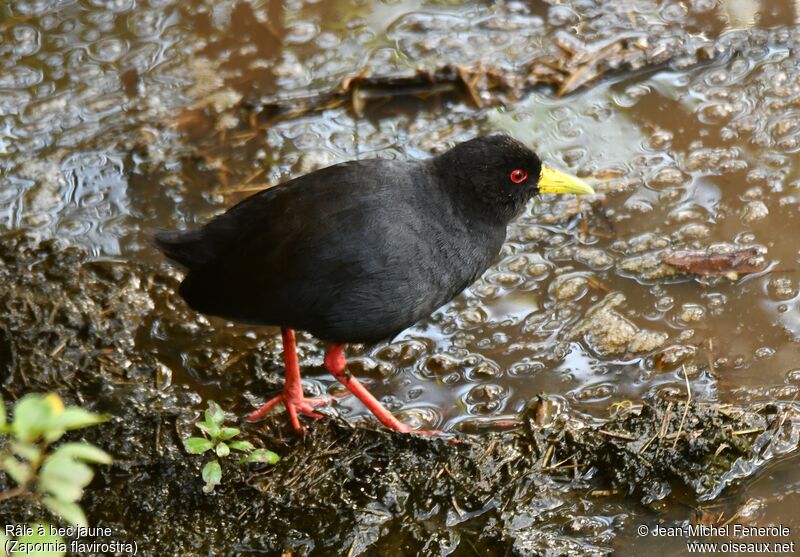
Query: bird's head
[(497, 174)]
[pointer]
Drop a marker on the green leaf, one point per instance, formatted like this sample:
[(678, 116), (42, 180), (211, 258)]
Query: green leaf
[(223, 450), (3, 414), (75, 417), (71, 513), (227, 432), (261, 455), (31, 453), (19, 471), (211, 429), (197, 445), (242, 445), (83, 451), (3, 541), (42, 537), (212, 475), (214, 414), (32, 417), (64, 478)]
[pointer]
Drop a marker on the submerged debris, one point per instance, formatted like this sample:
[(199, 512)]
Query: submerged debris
[(723, 259), (718, 260), (609, 332), (569, 69)]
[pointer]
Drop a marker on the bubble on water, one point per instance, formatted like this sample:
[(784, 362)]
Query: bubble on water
[(659, 139), (421, 417), (665, 303), (754, 211), (562, 15), (781, 288), (793, 376), (574, 155), (572, 286), (715, 160), (19, 77), (403, 353), (789, 144), (329, 40), (756, 192), (692, 313), (717, 77), (764, 352), (632, 95), (26, 40), (715, 112), (75, 226), (114, 5), (484, 369), (515, 264), (441, 363), (415, 392), (364, 366), (595, 258), (471, 316), (146, 23), (599, 112), (485, 291), (672, 393), (594, 393), (693, 231), (526, 367), (641, 206), (486, 399), (674, 12), (506, 279), (569, 129), (536, 234), (301, 32), (666, 177), (539, 271)]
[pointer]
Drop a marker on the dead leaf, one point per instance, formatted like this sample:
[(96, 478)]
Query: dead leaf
[(739, 260)]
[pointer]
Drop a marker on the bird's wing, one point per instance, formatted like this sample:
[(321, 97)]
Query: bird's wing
[(295, 242), (266, 212)]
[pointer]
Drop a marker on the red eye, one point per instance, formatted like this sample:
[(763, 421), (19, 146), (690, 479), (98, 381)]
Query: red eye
[(518, 176)]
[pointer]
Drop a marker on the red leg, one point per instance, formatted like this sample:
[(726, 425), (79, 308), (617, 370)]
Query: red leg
[(292, 396), (336, 364)]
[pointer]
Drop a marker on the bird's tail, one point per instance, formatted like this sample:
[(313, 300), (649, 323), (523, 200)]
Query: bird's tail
[(188, 247)]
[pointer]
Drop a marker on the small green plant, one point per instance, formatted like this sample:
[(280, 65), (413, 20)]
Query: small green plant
[(52, 476), (222, 440)]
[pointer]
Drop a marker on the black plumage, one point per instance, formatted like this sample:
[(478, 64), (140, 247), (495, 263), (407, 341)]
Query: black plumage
[(361, 250)]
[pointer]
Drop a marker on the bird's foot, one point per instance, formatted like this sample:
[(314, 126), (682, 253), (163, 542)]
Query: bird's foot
[(295, 405), (337, 366)]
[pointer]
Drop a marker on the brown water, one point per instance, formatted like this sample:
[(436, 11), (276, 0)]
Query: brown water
[(114, 119)]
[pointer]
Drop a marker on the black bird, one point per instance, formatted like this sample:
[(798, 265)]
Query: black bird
[(359, 251)]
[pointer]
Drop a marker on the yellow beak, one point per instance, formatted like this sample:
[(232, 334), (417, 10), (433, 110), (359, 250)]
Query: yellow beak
[(555, 181)]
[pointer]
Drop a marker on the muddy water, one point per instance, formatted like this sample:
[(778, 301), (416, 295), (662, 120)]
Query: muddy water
[(117, 117)]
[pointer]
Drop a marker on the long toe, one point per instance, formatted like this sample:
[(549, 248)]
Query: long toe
[(266, 407), (295, 407)]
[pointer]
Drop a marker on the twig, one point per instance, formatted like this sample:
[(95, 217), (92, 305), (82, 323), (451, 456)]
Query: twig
[(686, 409), (617, 435), (16, 492), (747, 431), (548, 455)]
